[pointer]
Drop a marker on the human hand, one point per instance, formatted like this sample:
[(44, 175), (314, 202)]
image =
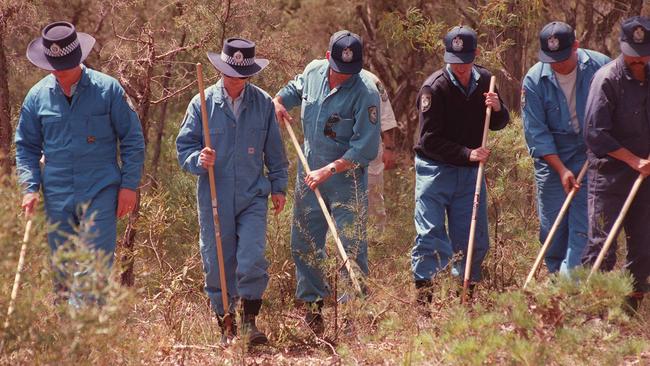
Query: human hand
[(317, 177), (480, 154), (569, 181), (278, 200), (29, 203), (125, 202), (492, 100), (207, 157), (281, 112)]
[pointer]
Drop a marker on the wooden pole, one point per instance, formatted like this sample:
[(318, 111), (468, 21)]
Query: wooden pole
[(328, 217), (617, 224), (556, 224), (477, 196), (19, 269), (213, 195)]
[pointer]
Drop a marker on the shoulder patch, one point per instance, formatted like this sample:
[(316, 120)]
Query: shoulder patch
[(425, 102), (382, 91), (128, 101), (372, 114), (523, 98)]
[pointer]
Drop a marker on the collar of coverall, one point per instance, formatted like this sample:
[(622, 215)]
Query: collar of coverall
[(583, 59), (83, 81), (219, 92), (346, 84)]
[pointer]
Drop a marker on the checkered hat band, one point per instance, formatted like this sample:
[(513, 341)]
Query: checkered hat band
[(64, 51), (231, 60)]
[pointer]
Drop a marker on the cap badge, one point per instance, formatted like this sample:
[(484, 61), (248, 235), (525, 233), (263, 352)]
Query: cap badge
[(457, 44), (55, 50), (238, 57), (553, 43), (347, 54), (639, 35)]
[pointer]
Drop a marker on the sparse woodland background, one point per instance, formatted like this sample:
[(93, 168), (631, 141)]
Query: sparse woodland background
[(157, 312)]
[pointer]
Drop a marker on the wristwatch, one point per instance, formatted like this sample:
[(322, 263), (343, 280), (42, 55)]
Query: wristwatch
[(333, 169)]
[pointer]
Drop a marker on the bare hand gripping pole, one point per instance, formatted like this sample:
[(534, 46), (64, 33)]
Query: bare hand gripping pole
[(477, 196), (556, 224), (213, 195), (328, 217)]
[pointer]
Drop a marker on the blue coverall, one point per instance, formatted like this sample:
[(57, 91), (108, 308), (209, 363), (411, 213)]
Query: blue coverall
[(80, 141), (342, 123), (244, 145), (548, 130)]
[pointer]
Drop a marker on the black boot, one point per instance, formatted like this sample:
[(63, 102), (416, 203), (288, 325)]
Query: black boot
[(314, 317), (251, 310), (226, 336), (424, 289), (632, 302)]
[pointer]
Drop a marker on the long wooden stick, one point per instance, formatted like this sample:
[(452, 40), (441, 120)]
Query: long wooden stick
[(477, 196), (213, 195), (328, 218), (21, 263), (617, 224), (556, 224)]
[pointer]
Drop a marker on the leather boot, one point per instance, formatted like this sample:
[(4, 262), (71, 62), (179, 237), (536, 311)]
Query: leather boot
[(249, 328), (227, 337), (314, 317)]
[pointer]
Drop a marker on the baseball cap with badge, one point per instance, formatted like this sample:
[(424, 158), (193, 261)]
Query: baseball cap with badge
[(635, 36), (346, 52), (556, 42), (60, 47), (460, 45)]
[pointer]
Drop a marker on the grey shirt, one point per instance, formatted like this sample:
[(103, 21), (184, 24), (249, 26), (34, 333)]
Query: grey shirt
[(617, 116)]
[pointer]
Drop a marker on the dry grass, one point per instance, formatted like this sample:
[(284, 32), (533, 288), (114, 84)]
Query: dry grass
[(165, 318)]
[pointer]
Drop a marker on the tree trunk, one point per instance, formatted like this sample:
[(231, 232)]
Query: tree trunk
[(5, 107)]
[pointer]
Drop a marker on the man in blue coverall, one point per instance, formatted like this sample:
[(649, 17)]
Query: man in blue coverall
[(246, 138), (341, 124), (617, 133), (451, 106), (554, 96), (77, 118)]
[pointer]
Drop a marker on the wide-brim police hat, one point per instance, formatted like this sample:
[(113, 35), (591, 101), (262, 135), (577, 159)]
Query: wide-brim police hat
[(60, 47), (237, 59)]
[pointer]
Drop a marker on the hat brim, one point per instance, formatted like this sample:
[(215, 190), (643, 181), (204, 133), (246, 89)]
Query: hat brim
[(459, 58), (346, 67), (237, 71), (635, 50), (555, 56), (36, 54)]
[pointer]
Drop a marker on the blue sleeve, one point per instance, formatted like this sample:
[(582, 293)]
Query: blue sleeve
[(189, 141), (29, 147), (598, 117), (364, 143), (538, 136), (129, 132), (275, 157), (291, 94)]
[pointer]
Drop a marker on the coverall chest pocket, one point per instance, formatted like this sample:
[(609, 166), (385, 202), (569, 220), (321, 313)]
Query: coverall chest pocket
[(344, 128), (100, 128), (56, 130), (554, 116), (308, 109), (219, 143)]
